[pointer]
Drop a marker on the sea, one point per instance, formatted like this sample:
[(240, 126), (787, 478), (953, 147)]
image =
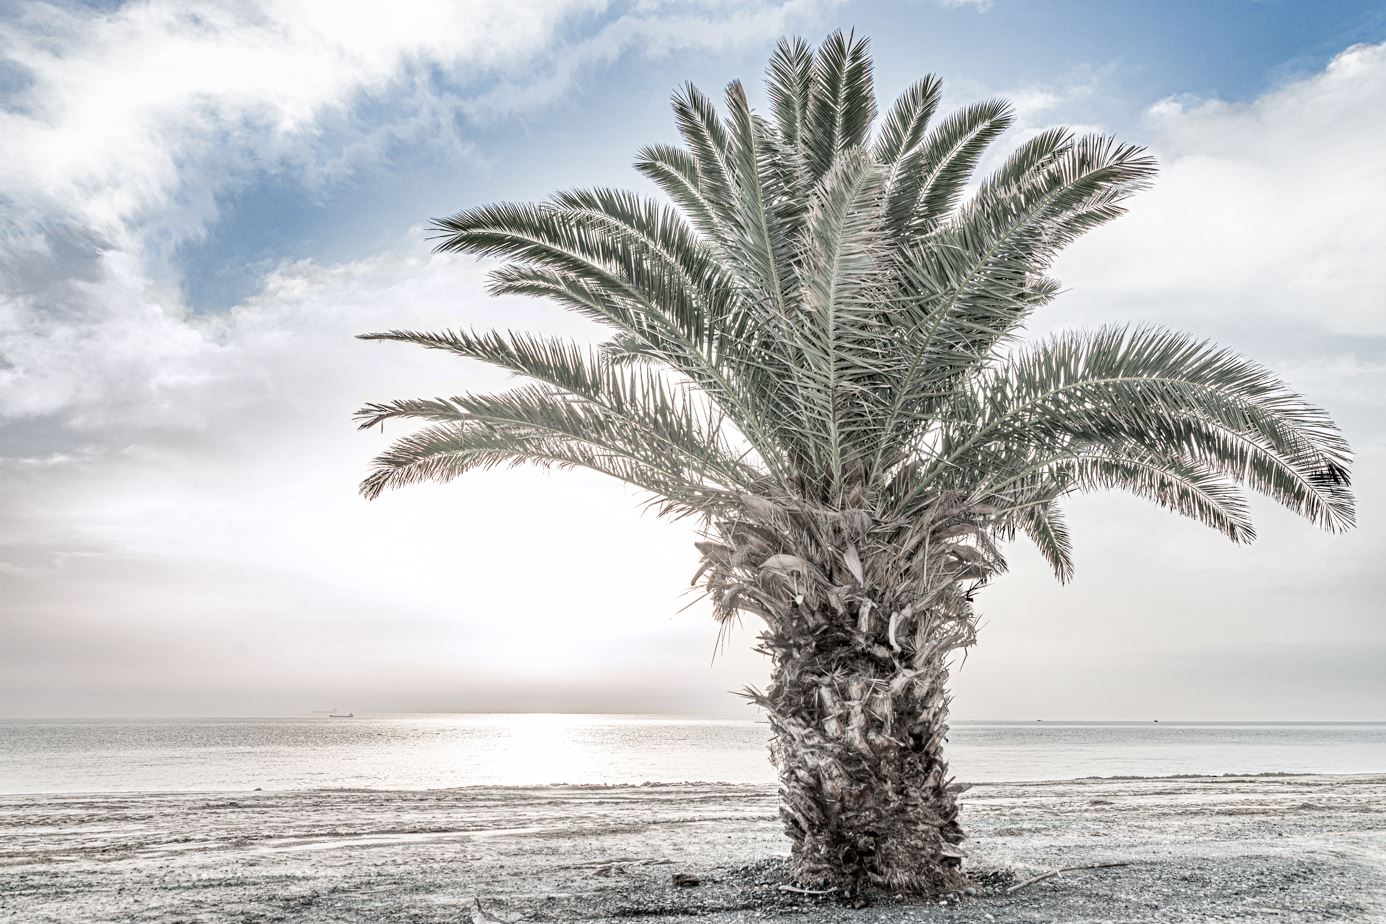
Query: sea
[(442, 751)]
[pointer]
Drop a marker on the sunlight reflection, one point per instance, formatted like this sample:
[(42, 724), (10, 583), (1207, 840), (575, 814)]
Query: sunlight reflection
[(542, 748)]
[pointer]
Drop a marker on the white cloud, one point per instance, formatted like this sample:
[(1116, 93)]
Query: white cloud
[(203, 485), (1264, 210), (130, 126), (651, 29), (121, 107), (133, 123)]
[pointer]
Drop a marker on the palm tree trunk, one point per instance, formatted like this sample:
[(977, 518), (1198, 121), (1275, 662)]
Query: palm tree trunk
[(865, 794)]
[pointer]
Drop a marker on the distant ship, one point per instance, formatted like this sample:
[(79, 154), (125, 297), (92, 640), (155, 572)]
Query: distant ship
[(340, 715)]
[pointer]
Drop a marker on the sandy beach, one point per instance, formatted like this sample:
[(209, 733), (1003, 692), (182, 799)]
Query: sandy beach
[(1263, 848)]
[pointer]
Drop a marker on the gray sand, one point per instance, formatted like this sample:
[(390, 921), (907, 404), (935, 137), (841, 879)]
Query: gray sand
[(1267, 848)]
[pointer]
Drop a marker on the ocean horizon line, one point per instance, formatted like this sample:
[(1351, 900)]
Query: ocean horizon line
[(717, 716)]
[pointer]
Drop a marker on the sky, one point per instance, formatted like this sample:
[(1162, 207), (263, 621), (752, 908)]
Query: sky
[(201, 203)]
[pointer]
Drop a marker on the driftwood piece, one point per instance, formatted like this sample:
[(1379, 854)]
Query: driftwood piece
[(798, 891), (479, 916), (1054, 872)]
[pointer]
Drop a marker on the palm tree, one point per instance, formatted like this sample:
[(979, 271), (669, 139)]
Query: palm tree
[(814, 355)]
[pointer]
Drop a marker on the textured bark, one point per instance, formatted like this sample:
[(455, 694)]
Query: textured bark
[(862, 615), (865, 794)]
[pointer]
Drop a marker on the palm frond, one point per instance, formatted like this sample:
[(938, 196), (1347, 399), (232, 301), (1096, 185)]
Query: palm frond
[(1158, 389), (843, 343), (1044, 523), (657, 428), (903, 127), (443, 452), (788, 83), (842, 100), (675, 172), (706, 139), (766, 208), (929, 180)]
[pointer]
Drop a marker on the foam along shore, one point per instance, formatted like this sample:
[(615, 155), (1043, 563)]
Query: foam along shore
[(1255, 848)]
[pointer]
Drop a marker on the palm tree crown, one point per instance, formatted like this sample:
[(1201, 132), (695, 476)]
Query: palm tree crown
[(823, 312)]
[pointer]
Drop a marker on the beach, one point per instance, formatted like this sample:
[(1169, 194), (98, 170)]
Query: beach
[(1293, 848)]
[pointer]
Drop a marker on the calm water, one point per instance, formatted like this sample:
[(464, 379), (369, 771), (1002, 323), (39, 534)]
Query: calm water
[(432, 751)]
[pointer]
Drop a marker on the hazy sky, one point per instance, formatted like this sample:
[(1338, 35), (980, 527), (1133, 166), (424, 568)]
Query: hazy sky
[(199, 209)]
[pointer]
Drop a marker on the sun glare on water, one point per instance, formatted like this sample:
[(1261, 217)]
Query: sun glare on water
[(537, 748)]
